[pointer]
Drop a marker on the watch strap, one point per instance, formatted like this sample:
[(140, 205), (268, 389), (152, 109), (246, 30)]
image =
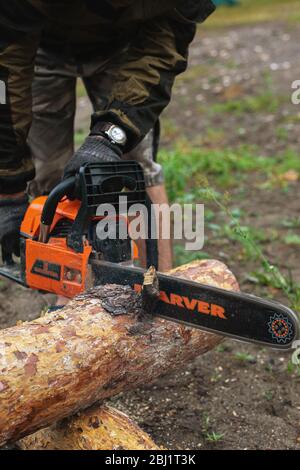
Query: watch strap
[(101, 127)]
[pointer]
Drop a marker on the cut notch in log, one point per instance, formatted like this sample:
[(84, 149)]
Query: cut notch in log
[(53, 367)]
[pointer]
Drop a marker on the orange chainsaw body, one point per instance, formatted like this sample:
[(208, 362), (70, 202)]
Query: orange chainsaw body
[(62, 242), (53, 266)]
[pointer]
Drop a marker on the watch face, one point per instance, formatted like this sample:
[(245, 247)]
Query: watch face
[(118, 135)]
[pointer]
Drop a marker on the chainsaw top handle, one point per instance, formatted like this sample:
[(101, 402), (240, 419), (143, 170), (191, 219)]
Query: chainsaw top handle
[(62, 189)]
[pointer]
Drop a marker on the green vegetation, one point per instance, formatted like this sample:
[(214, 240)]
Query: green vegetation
[(271, 272), (266, 102), (268, 395), (292, 239), (210, 435), (185, 168), (255, 11), (221, 348), (183, 257), (282, 133), (214, 437), (293, 369), (227, 168), (245, 357), (294, 222)]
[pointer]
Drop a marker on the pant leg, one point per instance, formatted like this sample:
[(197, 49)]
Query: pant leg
[(97, 80), (145, 153), (51, 137)]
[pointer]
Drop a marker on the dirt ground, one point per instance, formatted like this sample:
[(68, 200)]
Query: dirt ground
[(237, 396)]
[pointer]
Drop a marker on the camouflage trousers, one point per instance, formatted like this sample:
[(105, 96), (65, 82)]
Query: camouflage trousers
[(51, 137)]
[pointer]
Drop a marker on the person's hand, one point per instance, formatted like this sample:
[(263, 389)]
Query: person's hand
[(95, 149), (12, 211)]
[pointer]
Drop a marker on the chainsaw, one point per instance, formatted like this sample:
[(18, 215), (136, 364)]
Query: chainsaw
[(61, 253)]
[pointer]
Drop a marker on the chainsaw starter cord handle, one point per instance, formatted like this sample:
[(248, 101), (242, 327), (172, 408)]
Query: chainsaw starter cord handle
[(61, 190)]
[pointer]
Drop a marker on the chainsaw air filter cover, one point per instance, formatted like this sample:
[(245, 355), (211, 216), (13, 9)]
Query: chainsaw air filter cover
[(106, 183)]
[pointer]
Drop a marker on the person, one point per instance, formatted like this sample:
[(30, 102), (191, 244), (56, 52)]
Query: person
[(127, 52)]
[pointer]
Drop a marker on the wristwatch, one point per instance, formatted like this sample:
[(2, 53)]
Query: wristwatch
[(114, 133)]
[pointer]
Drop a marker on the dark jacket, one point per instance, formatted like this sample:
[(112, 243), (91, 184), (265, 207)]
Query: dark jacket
[(154, 34)]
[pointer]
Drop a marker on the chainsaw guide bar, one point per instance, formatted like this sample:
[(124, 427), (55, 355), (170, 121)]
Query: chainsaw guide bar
[(237, 315)]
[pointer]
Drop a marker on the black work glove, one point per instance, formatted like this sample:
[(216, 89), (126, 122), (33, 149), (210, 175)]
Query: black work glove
[(12, 211), (95, 149)]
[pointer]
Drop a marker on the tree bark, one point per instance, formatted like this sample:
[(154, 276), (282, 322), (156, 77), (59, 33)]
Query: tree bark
[(98, 428), (99, 345)]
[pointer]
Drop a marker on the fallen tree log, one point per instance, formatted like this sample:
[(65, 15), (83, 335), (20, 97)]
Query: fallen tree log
[(98, 428), (54, 366)]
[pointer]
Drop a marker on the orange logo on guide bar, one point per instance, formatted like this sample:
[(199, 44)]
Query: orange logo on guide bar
[(190, 304)]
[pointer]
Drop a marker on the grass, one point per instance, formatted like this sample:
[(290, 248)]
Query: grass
[(220, 349), (285, 283), (184, 166), (214, 436), (183, 257), (265, 102), (292, 239), (269, 395), (193, 73), (293, 369), (282, 133), (244, 357), (255, 11), (210, 435), (292, 223)]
